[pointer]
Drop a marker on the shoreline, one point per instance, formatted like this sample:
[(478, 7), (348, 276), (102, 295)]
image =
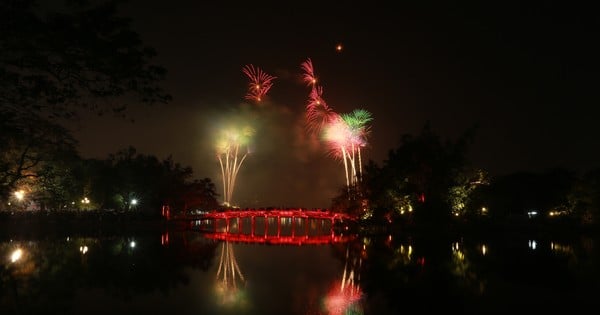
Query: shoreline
[(42, 224)]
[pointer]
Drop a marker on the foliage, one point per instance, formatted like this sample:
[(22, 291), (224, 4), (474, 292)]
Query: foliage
[(56, 61), (515, 194), (32, 148), (417, 175), (460, 196), (76, 56)]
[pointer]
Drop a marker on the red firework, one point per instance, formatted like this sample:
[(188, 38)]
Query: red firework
[(318, 114), (260, 82), (309, 73)]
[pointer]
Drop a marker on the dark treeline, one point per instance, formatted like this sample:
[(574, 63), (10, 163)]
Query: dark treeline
[(427, 179), (55, 63), (126, 181)]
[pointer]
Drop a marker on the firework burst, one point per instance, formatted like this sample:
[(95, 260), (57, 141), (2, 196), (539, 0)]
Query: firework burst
[(230, 152), (344, 134), (260, 83), (318, 113), (309, 73), (359, 130)]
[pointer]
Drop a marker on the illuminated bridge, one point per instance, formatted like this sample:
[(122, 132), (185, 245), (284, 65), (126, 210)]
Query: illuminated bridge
[(281, 227)]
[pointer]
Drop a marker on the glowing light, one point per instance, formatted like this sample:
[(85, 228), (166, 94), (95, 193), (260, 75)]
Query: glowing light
[(458, 253), (560, 248), (406, 253), (532, 244), (134, 201), (339, 47), (16, 255), (132, 244), (19, 195), (483, 249), (83, 249), (85, 200)]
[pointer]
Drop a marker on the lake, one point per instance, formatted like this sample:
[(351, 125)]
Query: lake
[(180, 272)]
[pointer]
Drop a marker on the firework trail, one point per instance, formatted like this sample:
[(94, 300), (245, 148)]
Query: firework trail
[(260, 82), (231, 142), (338, 137), (228, 147), (357, 125)]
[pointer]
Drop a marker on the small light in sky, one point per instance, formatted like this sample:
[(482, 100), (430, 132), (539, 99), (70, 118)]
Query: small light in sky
[(339, 47)]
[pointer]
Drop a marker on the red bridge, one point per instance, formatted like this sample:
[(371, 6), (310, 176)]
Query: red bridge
[(295, 227), (297, 213)]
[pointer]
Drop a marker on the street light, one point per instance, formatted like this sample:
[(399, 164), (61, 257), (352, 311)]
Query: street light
[(19, 194), (85, 203), (16, 255)]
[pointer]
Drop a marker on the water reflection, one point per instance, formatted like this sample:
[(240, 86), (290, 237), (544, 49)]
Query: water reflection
[(186, 272), (230, 284), (47, 275), (345, 295)]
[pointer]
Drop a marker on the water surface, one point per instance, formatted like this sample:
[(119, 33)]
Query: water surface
[(185, 272)]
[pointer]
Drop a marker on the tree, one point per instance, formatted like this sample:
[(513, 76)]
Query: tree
[(418, 176), (199, 194), (30, 146), (584, 198), (56, 62), (76, 57)]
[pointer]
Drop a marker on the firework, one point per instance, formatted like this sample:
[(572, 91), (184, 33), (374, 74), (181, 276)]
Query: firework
[(309, 73), (338, 136), (357, 125), (260, 82), (344, 134), (318, 113), (229, 147)]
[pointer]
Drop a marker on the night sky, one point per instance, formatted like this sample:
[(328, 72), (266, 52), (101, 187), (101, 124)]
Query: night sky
[(524, 74)]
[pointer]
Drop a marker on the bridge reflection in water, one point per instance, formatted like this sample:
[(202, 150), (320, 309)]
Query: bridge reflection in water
[(276, 227), (282, 227)]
